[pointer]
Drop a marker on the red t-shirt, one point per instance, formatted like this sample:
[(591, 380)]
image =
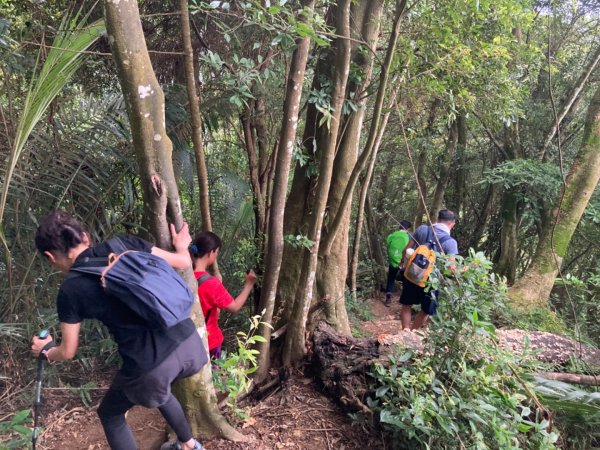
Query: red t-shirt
[(213, 296)]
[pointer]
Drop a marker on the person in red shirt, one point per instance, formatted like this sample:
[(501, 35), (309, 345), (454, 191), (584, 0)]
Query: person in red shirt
[(213, 296)]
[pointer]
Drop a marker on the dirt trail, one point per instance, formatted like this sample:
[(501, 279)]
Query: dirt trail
[(297, 416)]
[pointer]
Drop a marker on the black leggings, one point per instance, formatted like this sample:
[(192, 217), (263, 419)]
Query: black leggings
[(118, 434)]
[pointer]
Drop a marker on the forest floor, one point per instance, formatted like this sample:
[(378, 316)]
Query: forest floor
[(296, 416)]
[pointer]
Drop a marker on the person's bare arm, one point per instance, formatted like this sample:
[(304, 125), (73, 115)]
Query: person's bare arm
[(239, 301), (68, 344), (180, 258), (410, 244)]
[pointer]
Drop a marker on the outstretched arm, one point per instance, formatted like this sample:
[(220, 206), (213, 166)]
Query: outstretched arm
[(180, 258), (239, 301)]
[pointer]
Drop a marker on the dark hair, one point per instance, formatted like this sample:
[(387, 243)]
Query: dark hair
[(58, 231), (204, 243), (405, 224), (445, 215)]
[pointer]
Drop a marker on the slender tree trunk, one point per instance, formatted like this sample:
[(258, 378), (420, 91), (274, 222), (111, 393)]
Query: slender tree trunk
[(364, 190), (422, 187), (482, 217), (507, 261), (294, 347), (460, 174), (194, 100), (253, 164), (533, 288), (145, 106), (333, 252), (373, 131), (274, 255), (444, 175), (570, 101)]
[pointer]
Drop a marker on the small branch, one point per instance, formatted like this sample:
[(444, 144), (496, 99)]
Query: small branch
[(588, 380), (313, 309)]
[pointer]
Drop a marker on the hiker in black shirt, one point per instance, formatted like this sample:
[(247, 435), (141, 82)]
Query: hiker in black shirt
[(152, 358)]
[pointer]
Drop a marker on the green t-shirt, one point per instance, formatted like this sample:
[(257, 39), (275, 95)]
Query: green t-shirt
[(395, 244)]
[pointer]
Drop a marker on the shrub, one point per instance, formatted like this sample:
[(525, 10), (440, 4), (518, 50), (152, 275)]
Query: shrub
[(463, 390)]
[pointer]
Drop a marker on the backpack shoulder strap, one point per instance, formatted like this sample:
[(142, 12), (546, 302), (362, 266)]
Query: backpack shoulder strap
[(204, 278), (201, 280), (117, 245), (93, 266)]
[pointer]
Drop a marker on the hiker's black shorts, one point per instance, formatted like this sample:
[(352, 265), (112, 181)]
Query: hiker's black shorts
[(416, 295)]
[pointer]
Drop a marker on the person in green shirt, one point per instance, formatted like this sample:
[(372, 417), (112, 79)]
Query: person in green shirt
[(395, 246)]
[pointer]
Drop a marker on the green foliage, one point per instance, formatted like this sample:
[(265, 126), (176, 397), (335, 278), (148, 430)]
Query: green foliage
[(62, 61), (233, 369), (358, 310), (579, 304), (537, 319), (15, 433), (298, 241), (577, 412), (462, 390), (84, 392), (532, 180)]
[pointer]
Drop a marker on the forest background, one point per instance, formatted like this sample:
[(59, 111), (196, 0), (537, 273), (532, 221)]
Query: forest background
[(302, 132)]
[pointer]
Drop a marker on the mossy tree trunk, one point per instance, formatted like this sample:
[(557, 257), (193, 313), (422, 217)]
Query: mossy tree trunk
[(146, 110), (533, 288)]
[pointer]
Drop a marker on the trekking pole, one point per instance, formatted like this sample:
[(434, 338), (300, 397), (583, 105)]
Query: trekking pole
[(38, 391)]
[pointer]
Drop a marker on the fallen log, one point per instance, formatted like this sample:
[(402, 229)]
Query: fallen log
[(340, 363)]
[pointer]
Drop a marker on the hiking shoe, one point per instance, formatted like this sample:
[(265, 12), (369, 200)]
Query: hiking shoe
[(175, 445), (388, 301)]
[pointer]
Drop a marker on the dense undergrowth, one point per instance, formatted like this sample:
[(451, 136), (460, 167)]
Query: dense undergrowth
[(465, 390)]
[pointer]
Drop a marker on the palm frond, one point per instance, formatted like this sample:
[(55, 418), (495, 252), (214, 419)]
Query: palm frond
[(573, 403), (63, 60)]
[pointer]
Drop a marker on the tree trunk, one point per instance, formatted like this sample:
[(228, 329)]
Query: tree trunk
[(533, 288), (507, 261), (333, 253), (364, 190), (145, 106), (354, 136), (444, 176), (460, 174), (421, 189), (294, 347), (274, 255), (194, 100)]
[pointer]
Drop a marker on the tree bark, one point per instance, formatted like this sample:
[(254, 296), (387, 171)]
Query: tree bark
[(294, 347), (421, 189), (533, 288), (274, 255), (194, 100), (145, 106), (373, 131), (444, 175), (333, 252), (364, 190), (507, 260)]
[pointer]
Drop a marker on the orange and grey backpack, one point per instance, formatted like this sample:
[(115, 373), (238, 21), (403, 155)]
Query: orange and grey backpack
[(422, 262)]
